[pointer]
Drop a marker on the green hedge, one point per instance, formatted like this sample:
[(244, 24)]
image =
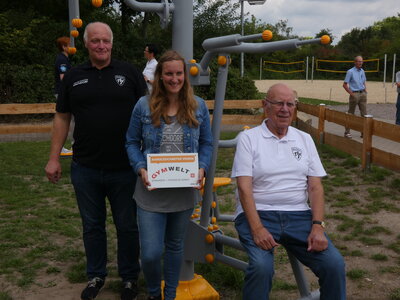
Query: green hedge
[(35, 83), (26, 84)]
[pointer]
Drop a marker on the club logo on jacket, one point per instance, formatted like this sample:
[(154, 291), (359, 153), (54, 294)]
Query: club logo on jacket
[(120, 79), (296, 153)]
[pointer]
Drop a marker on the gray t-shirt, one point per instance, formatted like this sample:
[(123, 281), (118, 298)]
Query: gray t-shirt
[(172, 137), (167, 199)]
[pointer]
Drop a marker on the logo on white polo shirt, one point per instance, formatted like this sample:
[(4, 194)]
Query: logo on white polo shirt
[(296, 153), (120, 79)]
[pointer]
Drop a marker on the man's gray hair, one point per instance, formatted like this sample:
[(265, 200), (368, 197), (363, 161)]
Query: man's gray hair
[(94, 23)]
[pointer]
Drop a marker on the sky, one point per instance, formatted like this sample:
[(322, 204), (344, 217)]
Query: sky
[(308, 17)]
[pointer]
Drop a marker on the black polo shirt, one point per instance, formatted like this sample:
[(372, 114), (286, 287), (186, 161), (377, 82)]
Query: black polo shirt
[(101, 102), (61, 66)]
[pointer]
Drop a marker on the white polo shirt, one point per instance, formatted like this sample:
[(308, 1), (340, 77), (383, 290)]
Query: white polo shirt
[(149, 71), (279, 167)]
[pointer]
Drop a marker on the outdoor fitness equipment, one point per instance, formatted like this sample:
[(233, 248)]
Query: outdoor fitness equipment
[(205, 242)]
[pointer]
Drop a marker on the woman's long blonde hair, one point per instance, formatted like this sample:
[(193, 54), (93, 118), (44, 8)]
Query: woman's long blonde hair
[(159, 99)]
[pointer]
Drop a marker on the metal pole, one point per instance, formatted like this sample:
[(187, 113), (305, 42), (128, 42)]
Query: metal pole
[(261, 59), (242, 33), (182, 28), (312, 69), (384, 71), (73, 12), (222, 78), (307, 69)]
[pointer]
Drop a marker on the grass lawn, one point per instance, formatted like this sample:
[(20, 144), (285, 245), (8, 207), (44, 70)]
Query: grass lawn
[(40, 228)]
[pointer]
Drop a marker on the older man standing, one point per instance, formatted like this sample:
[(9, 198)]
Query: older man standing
[(355, 84), (398, 98), (100, 95), (278, 172)]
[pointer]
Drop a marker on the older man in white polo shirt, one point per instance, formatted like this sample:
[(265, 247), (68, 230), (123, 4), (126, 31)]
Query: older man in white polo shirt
[(278, 173)]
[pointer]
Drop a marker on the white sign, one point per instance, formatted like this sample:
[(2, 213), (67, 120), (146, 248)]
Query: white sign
[(169, 170)]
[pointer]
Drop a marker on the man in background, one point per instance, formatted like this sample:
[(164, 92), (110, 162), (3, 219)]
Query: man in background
[(61, 66), (101, 94), (150, 52), (398, 98), (355, 84)]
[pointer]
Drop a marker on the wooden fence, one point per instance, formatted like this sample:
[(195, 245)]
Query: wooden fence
[(251, 114), (367, 126)]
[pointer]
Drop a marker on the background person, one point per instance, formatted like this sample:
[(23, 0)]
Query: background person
[(171, 120), (150, 52), (100, 95), (61, 66), (398, 98), (278, 170), (355, 84)]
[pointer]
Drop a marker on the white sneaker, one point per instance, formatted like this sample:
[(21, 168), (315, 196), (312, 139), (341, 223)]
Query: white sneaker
[(348, 135), (65, 152)]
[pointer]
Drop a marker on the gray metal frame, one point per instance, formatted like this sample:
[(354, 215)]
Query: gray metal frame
[(182, 41)]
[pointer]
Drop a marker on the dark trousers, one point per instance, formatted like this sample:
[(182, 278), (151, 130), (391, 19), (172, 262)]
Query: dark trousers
[(290, 229), (92, 186)]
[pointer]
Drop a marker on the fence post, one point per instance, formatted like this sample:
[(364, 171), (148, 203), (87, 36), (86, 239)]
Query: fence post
[(312, 69), (295, 122), (321, 123), (384, 71), (307, 69), (394, 70), (367, 142)]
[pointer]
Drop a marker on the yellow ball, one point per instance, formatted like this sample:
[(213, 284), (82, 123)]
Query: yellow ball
[(194, 70), (209, 258), (97, 3), (74, 33), (77, 23), (267, 35), (209, 238), (325, 39), (222, 60), (71, 50)]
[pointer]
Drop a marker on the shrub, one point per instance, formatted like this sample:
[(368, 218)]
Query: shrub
[(28, 84)]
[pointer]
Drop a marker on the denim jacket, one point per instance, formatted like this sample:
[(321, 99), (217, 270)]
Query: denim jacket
[(143, 138)]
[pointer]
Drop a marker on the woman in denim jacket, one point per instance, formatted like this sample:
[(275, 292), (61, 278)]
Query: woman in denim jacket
[(170, 120)]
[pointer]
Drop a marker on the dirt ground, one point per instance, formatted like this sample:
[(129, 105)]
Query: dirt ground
[(333, 90), (374, 286)]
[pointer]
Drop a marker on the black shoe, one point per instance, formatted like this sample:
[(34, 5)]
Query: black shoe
[(92, 289), (154, 297), (129, 291)]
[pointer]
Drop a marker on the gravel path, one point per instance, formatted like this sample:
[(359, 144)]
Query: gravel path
[(381, 111)]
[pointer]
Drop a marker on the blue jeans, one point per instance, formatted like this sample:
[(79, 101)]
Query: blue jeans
[(290, 229), (398, 110), (159, 230), (92, 186)]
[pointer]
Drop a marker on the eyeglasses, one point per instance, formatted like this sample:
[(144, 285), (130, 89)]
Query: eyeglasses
[(280, 104)]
